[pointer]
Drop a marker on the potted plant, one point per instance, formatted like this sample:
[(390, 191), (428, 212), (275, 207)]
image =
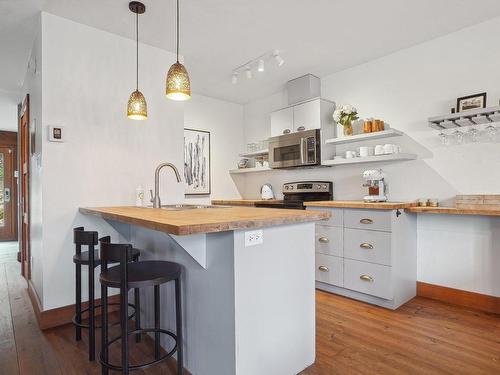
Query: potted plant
[(345, 115)]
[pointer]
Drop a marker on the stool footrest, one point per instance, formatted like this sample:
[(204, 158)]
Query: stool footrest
[(98, 306), (141, 366)]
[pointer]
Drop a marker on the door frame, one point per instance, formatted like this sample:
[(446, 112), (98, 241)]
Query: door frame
[(9, 139), (24, 187)]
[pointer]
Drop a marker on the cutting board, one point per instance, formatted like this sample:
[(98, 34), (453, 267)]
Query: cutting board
[(478, 202)]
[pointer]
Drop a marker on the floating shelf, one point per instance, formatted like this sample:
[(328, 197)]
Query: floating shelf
[(249, 170), (365, 137), (254, 153), (371, 159), (466, 118)]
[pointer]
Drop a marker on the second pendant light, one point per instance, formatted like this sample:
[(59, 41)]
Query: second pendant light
[(178, 86), (137, 108)]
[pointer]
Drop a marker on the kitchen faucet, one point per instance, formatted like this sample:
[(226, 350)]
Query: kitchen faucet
[(156, 198)]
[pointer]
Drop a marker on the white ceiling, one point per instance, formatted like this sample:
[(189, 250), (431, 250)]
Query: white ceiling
[(315, 36)]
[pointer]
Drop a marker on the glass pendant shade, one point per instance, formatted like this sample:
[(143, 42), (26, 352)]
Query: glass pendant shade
[(178, 86), (137, 109)]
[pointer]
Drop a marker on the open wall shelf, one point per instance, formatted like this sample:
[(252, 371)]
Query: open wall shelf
[(371, 159), (254, 153), (364, 137), (249, 170)]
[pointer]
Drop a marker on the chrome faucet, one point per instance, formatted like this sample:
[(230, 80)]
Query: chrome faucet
[(156, 198)]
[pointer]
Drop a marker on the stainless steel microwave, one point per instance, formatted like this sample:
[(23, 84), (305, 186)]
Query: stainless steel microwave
[(295, 150)]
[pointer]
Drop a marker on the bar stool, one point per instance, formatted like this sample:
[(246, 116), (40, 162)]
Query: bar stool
[(91, 259), (126, 276)]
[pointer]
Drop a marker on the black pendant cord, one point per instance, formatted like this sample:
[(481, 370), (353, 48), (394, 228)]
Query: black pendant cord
[(177, 30), (137, 51)]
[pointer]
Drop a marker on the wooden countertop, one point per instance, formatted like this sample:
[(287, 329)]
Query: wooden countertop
[(452, 211), (244, 202), (361, 204), (206, 220)]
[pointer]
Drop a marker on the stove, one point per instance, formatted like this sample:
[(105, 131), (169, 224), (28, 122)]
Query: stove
[(296, 193)]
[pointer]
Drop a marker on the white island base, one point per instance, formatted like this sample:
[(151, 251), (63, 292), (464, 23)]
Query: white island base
[(246, 310)]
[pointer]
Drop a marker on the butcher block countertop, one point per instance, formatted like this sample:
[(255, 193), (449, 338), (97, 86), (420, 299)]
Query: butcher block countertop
[(453, 211), (245, 202), (361, 204), (204, 220)]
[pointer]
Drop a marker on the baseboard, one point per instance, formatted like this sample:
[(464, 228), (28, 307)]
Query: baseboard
[(483, 302), (62, 315)]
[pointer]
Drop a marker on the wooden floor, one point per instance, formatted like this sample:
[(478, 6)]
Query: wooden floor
[(422, 337)]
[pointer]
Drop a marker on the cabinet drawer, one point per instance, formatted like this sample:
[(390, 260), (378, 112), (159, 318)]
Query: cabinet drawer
[(368, 278), (368, 219), (336, 218), (330, 269), (367, 245), (329, 240)]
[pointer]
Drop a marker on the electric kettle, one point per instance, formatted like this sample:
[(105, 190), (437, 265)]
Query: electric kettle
[(266, 192)]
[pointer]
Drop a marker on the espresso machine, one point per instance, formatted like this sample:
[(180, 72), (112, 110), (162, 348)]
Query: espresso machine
[(376, 185)]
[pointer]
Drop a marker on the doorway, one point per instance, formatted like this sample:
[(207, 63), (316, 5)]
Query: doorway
[(24, 170), (8, 186)]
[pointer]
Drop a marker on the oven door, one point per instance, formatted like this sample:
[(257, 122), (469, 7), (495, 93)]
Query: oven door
[(295, 150)]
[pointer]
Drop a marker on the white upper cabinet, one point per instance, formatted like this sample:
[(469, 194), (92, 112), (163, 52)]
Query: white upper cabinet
[(307, 116), (282, 122), (297, 118)]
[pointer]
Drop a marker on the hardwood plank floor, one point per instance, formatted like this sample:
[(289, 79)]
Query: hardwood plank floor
[(422, 337)]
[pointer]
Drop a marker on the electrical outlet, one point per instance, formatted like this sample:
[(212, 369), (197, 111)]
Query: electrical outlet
[(255, 237)]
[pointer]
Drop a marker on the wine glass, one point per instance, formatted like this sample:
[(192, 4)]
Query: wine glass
[(458, 137), (444, 138), (491, 133), (472, 135)]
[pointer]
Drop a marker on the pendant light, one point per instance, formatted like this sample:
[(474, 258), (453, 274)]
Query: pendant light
[(178, 86), (137, 108)]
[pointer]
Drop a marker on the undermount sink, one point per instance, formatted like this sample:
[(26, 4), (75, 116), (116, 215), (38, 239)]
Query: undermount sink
[(185, 207)]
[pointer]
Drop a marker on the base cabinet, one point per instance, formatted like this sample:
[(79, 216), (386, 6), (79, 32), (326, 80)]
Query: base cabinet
[(369, 255)]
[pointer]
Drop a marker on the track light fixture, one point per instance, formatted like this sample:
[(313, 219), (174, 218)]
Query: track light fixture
[(278, 58), (258, 64), (261, 66), (234, 80)]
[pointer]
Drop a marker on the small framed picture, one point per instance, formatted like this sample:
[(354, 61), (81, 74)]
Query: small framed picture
[(471, 102)]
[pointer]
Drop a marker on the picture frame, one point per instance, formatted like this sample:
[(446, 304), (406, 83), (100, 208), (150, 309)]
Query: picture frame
[(197, 162), (466, 103)]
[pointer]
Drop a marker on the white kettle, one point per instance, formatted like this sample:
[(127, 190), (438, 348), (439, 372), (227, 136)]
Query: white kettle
[(266, 192)]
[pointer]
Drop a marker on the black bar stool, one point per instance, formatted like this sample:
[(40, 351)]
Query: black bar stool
[(91, 259), (126, 276)]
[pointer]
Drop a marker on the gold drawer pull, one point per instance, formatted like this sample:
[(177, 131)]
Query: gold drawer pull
[(366, 278), (366, 221), (365, 245), (323, 239), (323, 268)]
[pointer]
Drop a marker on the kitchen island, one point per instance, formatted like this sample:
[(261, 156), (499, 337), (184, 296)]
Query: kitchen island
[(248, 283)]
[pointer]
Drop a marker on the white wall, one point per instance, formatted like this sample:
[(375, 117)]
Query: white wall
[(88, 75), (8, 111), (404, 89), (224, 120)]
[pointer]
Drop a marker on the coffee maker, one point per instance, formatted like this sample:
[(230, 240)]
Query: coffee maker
[(375, 184)]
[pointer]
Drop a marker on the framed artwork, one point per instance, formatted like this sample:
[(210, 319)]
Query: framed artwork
[(471, 102), (197, 162)]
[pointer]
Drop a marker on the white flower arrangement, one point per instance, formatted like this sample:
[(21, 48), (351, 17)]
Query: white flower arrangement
[(345, 114)]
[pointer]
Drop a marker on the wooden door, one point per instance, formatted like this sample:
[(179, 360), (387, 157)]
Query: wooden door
[(24, 168), (8, 191)]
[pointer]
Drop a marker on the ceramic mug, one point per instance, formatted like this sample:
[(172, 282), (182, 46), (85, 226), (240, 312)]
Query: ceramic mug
[(350, 154), (388, 148), (379, 150), (365, 151)]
